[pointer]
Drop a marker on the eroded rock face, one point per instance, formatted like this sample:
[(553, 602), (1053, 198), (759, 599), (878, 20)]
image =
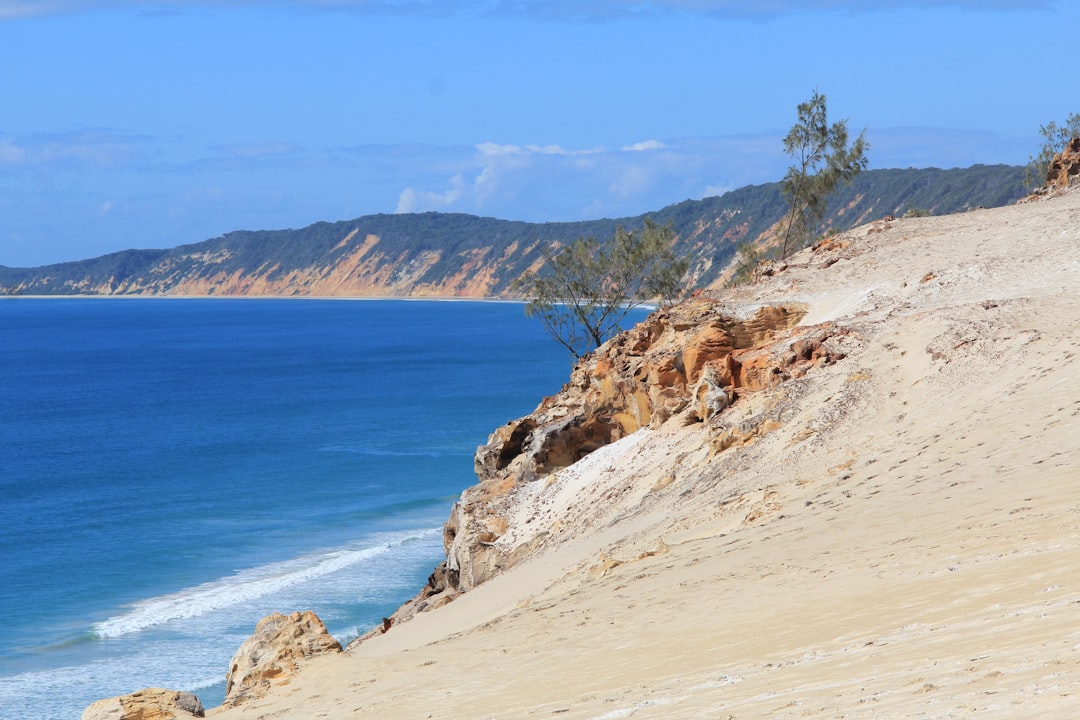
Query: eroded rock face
[(274, 653), (1064, 169), (148, 704), (683, 364)]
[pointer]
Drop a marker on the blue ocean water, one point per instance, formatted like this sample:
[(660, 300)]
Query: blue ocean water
[(173, 470)]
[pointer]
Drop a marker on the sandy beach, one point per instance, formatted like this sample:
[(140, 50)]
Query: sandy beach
[(901, 543)]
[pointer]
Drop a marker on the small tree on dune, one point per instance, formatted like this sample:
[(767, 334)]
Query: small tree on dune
[(585, 289), (823, 160)]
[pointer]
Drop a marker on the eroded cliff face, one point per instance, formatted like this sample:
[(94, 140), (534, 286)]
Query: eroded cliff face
[(1064, 170), (684, 365)]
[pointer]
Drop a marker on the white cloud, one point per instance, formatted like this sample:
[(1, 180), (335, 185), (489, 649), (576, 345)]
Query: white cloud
[(101, 147), (645, 146), (633, 180), (543, 182), (715, 190), (412, 200), (546, 150), (488, 149), (10, 153)]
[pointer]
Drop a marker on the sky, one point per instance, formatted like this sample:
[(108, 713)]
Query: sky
[(155, 123)]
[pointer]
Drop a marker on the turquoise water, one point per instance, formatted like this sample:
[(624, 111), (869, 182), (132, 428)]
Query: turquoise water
[(173, 470)]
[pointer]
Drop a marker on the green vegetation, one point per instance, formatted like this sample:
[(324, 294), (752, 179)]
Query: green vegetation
[(823, 160), (586, 288), (1055, 139), (707, 234)]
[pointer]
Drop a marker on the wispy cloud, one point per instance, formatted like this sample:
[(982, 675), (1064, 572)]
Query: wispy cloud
[(552, 182), (258, 150), (589, 10), (412, 200), (100, 147), (645, 146), (494, 150)]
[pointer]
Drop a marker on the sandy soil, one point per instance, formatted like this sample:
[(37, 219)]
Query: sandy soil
[(904, 544)]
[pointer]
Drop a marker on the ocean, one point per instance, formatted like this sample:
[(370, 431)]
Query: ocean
[(173, 470)]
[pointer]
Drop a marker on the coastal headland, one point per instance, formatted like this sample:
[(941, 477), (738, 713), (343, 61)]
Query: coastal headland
[(851, 489)]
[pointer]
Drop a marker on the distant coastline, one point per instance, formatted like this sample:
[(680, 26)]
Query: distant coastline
[(455, 256)]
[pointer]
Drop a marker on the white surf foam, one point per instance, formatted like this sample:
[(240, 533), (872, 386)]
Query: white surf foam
[(245, 586), (63, 692)]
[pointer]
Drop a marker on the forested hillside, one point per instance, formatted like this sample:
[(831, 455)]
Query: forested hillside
[(456, 255)]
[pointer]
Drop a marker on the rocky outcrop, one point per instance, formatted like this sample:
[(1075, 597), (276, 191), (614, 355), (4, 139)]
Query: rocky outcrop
[(1064, 169), (274, 653), (148, 704), (684, 365)]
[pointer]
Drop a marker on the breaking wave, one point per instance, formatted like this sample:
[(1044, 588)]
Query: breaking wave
[(247, 585)]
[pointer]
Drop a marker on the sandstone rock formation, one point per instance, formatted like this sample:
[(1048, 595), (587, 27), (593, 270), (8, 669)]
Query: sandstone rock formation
[(148, 704), (274, 653), (1064, 169), (683, 365)]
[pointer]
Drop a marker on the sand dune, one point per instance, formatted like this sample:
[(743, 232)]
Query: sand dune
[(902, 545)]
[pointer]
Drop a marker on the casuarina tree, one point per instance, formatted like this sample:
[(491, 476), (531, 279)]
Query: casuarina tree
[(586, 288), (823, 160)]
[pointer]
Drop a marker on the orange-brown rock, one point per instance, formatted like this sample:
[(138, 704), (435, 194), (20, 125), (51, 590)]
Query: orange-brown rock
[(274, 653), (686, 363), (712, 342), (1064, 169), (148, 704)]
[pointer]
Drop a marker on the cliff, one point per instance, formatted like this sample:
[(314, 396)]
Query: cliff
[(455, 255)]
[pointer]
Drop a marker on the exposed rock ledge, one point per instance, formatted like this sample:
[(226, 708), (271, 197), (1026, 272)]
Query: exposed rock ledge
[(683, 365)]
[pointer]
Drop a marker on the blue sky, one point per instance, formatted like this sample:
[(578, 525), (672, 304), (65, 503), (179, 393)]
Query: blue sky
[(161, 122)]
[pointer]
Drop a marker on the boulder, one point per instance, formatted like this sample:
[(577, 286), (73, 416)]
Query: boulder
[(274, 653), (148, 704)]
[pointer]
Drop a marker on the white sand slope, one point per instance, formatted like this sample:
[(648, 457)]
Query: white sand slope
[(904, 545)]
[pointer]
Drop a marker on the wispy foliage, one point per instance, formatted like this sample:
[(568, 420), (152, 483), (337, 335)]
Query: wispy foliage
[(823, 160), (586, 288)]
